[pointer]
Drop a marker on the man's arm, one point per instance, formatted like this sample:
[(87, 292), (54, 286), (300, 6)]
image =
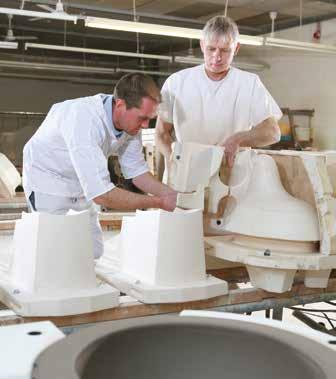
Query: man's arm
[(163, 138), (263, 134), (118, 198), (149, 184)]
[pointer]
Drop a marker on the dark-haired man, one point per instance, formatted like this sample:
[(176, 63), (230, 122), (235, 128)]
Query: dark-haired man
[(65, 162)]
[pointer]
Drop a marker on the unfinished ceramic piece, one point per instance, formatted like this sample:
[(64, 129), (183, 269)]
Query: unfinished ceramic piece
[(270, 279), (263, 208), (317, 279), (22, 344), (159, 258), (9, 177), (198, 345), (193, 167), (272, 264), (52, 272)]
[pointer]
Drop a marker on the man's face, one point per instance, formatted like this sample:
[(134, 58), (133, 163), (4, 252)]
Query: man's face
[(218, 54), (133, 119)]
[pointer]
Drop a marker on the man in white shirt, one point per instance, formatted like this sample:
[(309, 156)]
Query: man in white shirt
[(215, 103), (65, 162)]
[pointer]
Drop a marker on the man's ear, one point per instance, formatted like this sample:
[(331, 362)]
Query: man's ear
[(237, 48), (120, 103), (202, 45)]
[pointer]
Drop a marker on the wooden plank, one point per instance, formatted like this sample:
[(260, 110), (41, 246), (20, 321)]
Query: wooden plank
[(16, 202), (10, 216), (131, 308), (108, 220), (7, 224), (113, 216)]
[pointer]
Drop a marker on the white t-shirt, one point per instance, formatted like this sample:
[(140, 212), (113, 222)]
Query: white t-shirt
[(67, 156), (207, 111)]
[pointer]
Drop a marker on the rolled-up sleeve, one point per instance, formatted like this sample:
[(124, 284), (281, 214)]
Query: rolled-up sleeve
[(263, 105), (83, 135), (131, 158)]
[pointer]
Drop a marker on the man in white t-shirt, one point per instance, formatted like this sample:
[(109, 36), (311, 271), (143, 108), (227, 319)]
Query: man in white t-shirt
[(65, 162), (215, 103)]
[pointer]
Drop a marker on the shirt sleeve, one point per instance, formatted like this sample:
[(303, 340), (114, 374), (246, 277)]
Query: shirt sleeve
[(131, 158), (83, 134), (262, 105), (167, 104)]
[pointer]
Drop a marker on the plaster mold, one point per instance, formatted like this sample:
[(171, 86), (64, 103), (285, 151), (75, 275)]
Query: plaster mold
[(159, 258), (278, 217), (263, 207), (273, 279), (52, 269), (317, 279), (193, 167), (9, 177)]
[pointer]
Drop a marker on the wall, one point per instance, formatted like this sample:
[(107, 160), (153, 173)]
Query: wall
[(38, 95), (305, 80), (28, 95)]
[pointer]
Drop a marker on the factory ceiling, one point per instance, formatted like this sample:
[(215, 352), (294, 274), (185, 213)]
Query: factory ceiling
[(252, 17)]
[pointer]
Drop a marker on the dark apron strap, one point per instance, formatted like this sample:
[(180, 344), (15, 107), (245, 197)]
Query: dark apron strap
[(32, 200)]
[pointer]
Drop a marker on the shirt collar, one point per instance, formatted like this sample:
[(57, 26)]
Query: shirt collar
[(108, 103)]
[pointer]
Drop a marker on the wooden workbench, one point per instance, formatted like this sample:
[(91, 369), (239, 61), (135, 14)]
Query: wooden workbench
[(241, 298)]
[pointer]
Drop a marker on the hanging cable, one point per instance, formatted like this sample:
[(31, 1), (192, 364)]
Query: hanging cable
[(136, 19), (65, 34), (226, 8), (328, 319), (300, 29), (312, 310)]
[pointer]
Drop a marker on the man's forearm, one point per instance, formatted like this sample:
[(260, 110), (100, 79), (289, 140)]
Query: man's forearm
[(265, 133), (147, 183), (118, 198)]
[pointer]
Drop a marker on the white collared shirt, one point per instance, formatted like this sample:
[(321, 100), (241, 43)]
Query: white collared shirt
[(67, 156)]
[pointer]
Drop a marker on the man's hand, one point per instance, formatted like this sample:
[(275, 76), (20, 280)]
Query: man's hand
[(168, 200), (231, 147), (265, 133)]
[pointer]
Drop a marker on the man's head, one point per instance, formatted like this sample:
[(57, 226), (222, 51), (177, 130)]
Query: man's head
[(136, 99), (219, 44)]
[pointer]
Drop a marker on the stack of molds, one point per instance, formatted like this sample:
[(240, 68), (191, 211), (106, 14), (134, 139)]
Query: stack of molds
[(275, 213), (159, 258), (52, 268)]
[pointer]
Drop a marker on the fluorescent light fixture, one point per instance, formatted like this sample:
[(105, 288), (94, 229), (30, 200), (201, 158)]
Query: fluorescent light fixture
[(298, 45), (53, 15), (249, 66), (187, 59), (96, 51), (8, 45), (76, 69), (141, 27), (63, 78), (163, 30), (156, 73), (251, 40)]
